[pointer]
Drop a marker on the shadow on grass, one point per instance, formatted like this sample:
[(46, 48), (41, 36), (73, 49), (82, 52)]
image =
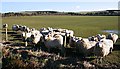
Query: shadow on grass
[(9, 32), (15, 39), (71, 57), (116, 47)]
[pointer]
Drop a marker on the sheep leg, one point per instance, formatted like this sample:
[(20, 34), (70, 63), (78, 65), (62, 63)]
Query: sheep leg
[(40, 49), (62, 50), (97, 60), (26, 39), (110, 50), (25, 43), (101, 60), (48, 49)]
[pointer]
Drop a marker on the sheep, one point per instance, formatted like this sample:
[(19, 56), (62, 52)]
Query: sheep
[(26, 35), (35, 32), (15, 27), (27, 30), (63, 32), (44, 31), (31, 37), (85, 46), (53, 42), (36, 36), (33, 29), (93, 38), (113, 37), (50, 29), (23, 28), (103, 48), (69, 33), (5, 25), (73, 41), (99, 37)]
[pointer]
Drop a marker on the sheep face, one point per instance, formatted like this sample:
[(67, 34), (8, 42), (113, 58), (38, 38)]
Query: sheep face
[(113, 37), (36, 38), (15, 27), (5, 25), (32, 36), (33, 29), (100, 44), (99, 37)]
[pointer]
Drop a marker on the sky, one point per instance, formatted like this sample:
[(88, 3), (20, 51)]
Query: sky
[(59, 0), (63, 6)]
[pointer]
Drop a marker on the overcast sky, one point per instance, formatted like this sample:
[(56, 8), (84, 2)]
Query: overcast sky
[(62, 6)]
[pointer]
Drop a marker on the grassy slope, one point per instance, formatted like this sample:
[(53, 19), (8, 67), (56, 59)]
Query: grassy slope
[(82, 25)]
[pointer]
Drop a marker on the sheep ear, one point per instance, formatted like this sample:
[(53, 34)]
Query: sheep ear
[(101, 41)]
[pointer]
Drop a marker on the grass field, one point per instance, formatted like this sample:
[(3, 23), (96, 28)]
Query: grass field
[(82, 25)]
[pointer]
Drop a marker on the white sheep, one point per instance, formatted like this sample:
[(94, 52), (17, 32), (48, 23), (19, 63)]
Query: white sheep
[(15, 27), (103, 48), (113, 37), (71, 33), (5, 25), (73, 41), (26, 35), (23, 28), (99, 37), (93, 38), (44, 31), (85, 46), (54, 42), (35, 36)]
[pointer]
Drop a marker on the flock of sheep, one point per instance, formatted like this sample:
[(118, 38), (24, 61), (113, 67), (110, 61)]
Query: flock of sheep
[(99, 45)]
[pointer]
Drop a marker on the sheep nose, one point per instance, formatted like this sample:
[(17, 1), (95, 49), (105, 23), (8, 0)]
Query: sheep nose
[(32, 36)]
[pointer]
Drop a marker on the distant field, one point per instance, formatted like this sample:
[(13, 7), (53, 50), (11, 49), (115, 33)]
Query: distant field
[(82, 25)]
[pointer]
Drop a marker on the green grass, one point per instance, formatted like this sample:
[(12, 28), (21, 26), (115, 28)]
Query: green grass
[(82, 25), (113, 57)]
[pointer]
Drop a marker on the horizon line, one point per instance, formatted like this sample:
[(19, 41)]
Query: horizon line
[(58, 11)]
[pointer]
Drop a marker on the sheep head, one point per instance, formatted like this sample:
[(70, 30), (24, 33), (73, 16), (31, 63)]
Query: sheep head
[(113, 37)]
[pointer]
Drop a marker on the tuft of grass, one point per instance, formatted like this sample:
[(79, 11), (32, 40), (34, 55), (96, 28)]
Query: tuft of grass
[(114, 57)]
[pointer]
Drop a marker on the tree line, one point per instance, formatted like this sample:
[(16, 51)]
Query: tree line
[(38, 13)]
